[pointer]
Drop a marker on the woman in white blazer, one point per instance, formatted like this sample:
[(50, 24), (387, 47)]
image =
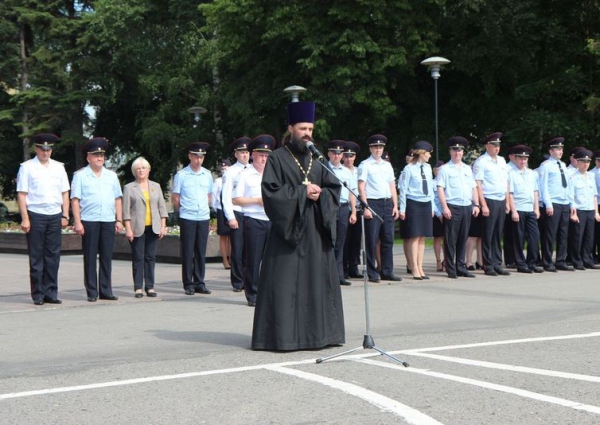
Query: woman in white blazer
[(145, 218)]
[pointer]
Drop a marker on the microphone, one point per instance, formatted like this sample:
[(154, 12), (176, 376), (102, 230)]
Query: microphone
[(315, 152)]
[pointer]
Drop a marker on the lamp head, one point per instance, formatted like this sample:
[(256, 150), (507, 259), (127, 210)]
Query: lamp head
[(435, 63), (294, 91)]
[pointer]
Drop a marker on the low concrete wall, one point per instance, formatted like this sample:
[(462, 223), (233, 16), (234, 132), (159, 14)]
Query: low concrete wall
[(167, 251)]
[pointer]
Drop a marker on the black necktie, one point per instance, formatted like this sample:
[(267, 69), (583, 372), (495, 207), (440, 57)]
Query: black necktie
[(425, 190), (562, 175)]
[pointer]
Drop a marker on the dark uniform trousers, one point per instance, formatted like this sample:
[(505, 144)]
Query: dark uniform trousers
[(508, 245), (376, 230), (255, 240), (526, 229), (555, 230), (352, 247), (581, 239), (342, 229), (193, 239), (456, 233), (493, 226), (43, 247), (143, 252), (237, 259), (98, 242)]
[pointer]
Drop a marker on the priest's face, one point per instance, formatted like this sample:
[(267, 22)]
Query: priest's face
[(301, 133)]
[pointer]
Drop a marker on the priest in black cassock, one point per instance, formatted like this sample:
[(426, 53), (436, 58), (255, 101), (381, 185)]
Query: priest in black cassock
[(299, 304)]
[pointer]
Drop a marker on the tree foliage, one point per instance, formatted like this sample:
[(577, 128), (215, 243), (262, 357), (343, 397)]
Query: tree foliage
[(528, 68)]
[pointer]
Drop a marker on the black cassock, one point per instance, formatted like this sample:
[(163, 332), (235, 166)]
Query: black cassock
[(299, 304)]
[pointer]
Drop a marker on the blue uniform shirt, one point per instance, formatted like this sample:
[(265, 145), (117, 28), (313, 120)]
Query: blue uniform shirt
[(551, 188), (410, 185), (193, 189), (596, 173), (377, 177), (583, 189), (345, 175), (522, 185), (493, 176), (96, 194), (458, 183)]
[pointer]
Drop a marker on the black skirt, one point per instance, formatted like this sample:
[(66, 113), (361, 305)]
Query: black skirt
[(476, 225), (223, 228), (438, 227), (418, 220)]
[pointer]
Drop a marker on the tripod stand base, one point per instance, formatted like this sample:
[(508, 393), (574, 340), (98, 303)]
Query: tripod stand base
[(368, 343)]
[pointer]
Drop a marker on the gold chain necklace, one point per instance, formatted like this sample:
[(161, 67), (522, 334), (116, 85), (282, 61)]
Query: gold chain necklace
[(305, 182)]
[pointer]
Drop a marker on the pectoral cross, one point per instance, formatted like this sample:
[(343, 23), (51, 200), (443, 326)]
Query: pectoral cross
[(306, 182)]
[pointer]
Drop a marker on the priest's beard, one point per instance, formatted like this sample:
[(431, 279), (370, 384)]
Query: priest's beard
[(298, 144)]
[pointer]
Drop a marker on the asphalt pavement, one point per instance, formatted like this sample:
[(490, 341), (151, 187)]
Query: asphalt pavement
[(520, 349)]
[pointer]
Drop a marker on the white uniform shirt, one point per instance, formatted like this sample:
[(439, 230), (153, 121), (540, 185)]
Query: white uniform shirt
[(377, 177), (230, 181), (249, 187), (44, 185)]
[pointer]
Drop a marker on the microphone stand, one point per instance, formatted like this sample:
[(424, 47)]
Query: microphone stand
[(368, 342)]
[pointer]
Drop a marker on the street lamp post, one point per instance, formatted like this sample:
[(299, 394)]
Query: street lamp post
[(434, 64), (197, 111), (294, 91)]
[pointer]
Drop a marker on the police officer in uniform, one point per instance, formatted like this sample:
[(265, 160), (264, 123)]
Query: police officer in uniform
[(376, 186), (248, 195), (97, 202), (457, 193), (43, 197), (525, 211), (352, 245), (492, 186), (554, 193), (584, 212), (347, 211), (233, 213), (191, 196)]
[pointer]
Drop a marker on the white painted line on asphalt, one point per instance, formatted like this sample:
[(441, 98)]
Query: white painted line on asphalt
[(487, 385), (505, 342), (511, 368), (409, 414)]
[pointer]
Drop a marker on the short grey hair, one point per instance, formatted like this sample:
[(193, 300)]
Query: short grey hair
[(139, 162)]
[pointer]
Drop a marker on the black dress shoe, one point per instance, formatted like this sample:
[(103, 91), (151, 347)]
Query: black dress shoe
[(524, 270), (139, 295), (511, 266), (490, 272), (550, 269), (392, 277), (151, 294), (579, 268), (355, 276), (345, 282), (471, 267), (591, 266), (203, 290), (92, 299), (237, 289), (52, 301), (425, 277), (478, 266), (465, 274), (452, 276), (38, 302), (502, 272), (417, 278), (190, 291), (408, 270), (110, 298), (564, 268), (251, 303), (536, 269), (374, 279)]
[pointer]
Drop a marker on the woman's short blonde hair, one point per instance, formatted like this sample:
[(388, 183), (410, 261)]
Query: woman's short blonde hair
[(417, 154), (140, 162)]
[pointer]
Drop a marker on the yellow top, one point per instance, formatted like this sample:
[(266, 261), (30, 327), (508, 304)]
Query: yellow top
[(148, 212)]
